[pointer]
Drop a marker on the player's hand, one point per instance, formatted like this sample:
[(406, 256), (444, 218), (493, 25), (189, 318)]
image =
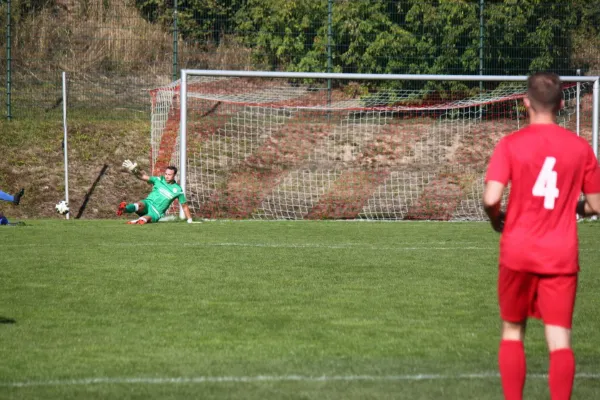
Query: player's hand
[(498, 225), (130, 166)]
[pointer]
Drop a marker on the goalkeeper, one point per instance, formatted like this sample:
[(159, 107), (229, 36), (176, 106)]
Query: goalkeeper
[(164, 191)]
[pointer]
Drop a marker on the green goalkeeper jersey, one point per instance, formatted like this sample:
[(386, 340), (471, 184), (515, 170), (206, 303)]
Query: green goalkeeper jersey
[(163, 193)]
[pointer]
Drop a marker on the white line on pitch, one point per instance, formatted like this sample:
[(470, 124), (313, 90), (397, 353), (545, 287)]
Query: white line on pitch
[(357, 246), (272, 378), (333, 246)]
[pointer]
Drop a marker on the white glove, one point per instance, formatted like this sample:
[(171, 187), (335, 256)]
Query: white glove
[(189, 220), (131, 166)]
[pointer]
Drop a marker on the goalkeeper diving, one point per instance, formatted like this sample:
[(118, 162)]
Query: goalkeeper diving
[(164, 191)]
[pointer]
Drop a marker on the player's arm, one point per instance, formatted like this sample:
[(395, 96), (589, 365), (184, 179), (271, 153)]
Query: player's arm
[(496, 179), (185, 208), (143, 176), (186, 211), (492, 199), (589, 206), (133, 168)]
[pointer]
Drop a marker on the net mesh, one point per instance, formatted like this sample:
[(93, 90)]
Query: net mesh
[(282, 149)]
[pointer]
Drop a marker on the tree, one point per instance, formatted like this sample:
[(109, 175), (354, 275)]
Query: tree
[(197, 20), (525, 36), (370, 36), (282, 33), (384, 36)]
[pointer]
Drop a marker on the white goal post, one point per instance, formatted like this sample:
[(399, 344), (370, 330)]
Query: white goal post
[(285, 145)]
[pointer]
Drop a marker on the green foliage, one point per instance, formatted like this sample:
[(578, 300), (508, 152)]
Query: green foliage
[(284, 33), (366, 36), (446, 36), (529, 35), (586, 36), (412, 36), (108, 37), (197, 20), (588, 15), (380, 36)]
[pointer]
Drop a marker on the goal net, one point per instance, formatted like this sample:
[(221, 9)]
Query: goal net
[(325, 146)]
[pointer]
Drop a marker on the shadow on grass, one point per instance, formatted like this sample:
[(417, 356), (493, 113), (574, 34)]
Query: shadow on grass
[(4, 320)]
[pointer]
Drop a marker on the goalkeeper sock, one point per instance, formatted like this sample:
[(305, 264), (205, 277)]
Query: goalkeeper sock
[(6, 196), (129, 208)]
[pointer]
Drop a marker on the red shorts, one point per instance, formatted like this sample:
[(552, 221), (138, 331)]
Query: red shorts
[(550, 298)]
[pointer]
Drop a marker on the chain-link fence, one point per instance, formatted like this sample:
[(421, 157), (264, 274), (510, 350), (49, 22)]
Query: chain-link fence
[(115, 50)]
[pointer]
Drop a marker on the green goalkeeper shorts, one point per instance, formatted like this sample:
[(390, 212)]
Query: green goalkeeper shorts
[(151, 211)]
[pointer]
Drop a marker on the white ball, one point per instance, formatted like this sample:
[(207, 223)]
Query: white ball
[(62, 207)]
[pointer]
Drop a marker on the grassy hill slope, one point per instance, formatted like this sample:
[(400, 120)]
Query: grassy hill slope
[(32, 158)]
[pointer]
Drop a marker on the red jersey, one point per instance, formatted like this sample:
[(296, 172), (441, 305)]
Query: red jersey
[(548, 167)]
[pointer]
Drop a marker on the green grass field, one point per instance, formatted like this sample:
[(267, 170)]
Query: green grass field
[(267, 310)]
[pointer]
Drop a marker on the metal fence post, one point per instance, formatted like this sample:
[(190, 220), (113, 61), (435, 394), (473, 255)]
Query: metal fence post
[(8, 62), (329, 36), (175, 41), (481, 38)]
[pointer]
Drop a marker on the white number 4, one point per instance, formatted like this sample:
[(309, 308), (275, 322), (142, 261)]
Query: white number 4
[(545, 184)]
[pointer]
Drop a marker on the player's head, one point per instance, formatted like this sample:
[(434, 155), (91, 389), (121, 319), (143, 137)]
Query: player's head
[(170, 173), (544, 92)]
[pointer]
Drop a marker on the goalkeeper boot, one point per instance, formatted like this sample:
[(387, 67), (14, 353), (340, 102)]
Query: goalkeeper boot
[(17, 197), (121, 208)]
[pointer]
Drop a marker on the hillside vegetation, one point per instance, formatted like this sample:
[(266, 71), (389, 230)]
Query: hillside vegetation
[(32, 158), (112, 56)]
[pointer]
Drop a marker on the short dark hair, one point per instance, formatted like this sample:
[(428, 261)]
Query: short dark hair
[(544, 90), (172, 168)]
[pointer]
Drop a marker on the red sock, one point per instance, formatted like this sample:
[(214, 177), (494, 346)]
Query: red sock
[(511, 360), (561, 374)]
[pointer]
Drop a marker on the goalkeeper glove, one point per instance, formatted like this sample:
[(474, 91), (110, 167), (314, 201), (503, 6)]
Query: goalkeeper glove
[(131, 166)]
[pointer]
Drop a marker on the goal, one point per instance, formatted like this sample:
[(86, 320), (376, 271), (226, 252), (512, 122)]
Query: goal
[(275, 145)]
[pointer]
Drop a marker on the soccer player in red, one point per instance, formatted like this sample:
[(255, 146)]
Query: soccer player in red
[(548, 168)]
